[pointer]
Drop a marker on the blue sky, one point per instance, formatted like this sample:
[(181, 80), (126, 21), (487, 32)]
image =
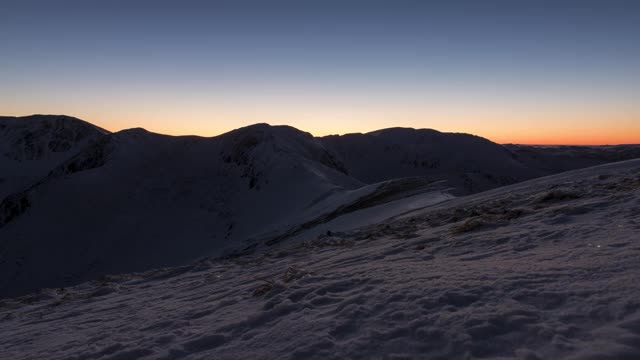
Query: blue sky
[(513, 71)]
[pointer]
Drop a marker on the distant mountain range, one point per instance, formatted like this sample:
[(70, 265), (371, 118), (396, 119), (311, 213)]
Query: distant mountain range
[(77, 201)]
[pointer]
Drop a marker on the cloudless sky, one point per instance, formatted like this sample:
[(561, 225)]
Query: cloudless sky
[(518, 71)]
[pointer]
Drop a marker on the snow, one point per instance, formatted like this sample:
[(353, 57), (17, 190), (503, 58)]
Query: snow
[(77, 202), (469, 163), (32, 146), (544, 269), (374, 214), (156, 200)]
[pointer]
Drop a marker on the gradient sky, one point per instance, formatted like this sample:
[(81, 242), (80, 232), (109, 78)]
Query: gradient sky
[(545, 72)]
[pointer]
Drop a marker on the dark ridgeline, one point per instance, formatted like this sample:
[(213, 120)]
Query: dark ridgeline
[(78, 202)]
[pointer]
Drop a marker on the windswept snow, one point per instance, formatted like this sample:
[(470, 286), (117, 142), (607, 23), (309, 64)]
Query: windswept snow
[(545, 269), (374, 215)]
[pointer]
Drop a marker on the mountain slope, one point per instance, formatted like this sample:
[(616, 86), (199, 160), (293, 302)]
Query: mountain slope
[(544, 269), (80, 202), (142, 200), (553, 159), (32, 146), (468, 163)]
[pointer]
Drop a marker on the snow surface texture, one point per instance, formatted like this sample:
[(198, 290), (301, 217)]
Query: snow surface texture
[(84, 203), (545, 269)]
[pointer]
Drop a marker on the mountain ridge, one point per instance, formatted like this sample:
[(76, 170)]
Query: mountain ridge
[(134, 200)]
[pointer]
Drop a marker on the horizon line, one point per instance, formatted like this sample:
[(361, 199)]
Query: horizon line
[(160, 132)]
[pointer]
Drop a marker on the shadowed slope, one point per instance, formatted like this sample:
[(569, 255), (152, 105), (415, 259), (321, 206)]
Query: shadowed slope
[(81, 202), (144, 200), (469, 163), (32, 146)]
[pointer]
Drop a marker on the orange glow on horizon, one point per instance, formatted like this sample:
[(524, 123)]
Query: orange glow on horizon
[(559, 141), (569, 129), (581, 137), (595, 137)]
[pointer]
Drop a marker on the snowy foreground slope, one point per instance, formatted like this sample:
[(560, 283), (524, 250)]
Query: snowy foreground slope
[(545, 269)]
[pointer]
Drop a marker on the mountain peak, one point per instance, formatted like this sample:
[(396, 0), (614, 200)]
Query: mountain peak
[(402, 130), (55, 122), (266, 128)]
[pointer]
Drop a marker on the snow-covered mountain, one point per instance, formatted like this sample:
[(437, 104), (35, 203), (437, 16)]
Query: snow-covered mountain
[(468, 163), (80, 202), (553, 159), (543, 269), (141, 200), (32, 146)]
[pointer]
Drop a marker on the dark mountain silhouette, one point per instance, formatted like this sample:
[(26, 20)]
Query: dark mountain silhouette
[(78, 202)]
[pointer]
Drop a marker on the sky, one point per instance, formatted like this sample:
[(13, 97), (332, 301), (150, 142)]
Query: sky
[(518, 71)]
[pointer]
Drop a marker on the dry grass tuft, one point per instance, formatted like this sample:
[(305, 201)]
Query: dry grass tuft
[(468, 226), (263, 289), (558, 195)]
